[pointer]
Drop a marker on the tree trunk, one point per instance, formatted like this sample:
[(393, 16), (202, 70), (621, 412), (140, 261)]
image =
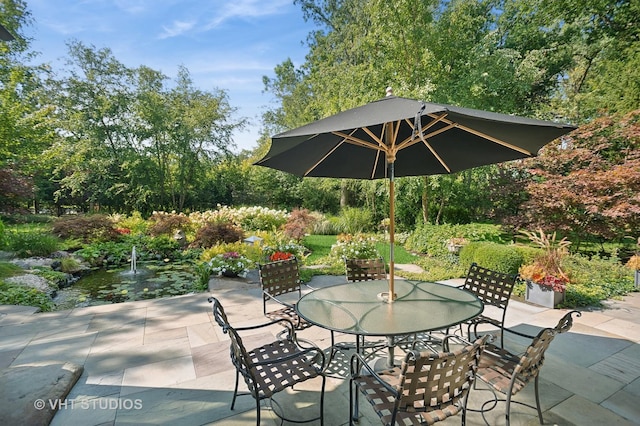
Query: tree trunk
[(425, 200), (344, 194)]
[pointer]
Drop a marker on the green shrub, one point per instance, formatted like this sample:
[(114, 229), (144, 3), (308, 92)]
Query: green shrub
[(106, 253), (433, 239), (468, 253), (9, 269), (593, 280), (355, 220), (135, 223), (437, 269), (253, 252), (327, 226), (54, 278), (69, 265), (528, 253), (499, 257), (1, 234), (27, 242), (87, 228), (13, 294), (162, 246)]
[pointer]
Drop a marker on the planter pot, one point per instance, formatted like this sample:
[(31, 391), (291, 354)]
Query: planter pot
[(543, 295), (229, 274)]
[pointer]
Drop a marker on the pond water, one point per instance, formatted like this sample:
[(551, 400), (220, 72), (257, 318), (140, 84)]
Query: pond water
[(149, 281)]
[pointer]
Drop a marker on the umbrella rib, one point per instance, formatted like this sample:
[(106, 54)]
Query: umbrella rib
[(492, 139), (350, 139), (477, 133), (323, 158)]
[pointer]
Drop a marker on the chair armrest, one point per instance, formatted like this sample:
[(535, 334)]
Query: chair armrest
[(285, 322), (461, 340), (289, 305), (358, 362), (517, 333)]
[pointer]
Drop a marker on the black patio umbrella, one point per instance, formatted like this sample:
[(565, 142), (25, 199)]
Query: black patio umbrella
[(396, 136)]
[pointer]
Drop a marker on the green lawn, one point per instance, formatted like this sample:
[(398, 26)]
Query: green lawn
[(320, 246)]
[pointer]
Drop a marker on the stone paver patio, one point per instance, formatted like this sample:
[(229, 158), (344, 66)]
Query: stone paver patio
[(164, 362)]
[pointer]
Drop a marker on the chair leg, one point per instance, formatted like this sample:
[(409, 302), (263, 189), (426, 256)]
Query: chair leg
[(324, 380), (352, 415), (235, 390), (464, 409), (538, 401), (257, 411), (508, 408)]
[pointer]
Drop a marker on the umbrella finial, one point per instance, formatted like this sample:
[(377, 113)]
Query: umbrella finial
[(389, 91)]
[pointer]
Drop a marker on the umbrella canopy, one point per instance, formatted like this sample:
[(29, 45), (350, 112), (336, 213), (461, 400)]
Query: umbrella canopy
[(5, 35), (397, 136)]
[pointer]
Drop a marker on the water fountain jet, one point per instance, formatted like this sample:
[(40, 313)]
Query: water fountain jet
[(134, 266)]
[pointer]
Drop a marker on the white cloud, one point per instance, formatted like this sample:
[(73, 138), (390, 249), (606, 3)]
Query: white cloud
[(177, 28), (248, 9)]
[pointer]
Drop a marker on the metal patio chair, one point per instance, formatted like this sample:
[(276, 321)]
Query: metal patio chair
[(428, 387), (509, 373), (279, 279), (271, 368), (493, 289), (365, 269)]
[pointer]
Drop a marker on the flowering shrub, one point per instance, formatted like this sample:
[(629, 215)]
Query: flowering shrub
[(545, 269), (353, 246), (230, 263), (282, 246), (280, 255), (249, 218)]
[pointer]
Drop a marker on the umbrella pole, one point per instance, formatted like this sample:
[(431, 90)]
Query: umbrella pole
[(392, 221)]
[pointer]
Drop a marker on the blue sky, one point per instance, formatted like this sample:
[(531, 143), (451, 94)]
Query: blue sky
[(225, 44)]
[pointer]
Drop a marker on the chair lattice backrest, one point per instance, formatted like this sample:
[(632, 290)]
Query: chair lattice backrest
[(492, 287), (532, 359), (237, 350), (280, 277), (218, 314), (432, 381), (365, 269)]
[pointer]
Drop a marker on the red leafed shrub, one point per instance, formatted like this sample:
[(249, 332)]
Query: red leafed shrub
[(299, 222), (215, 233), (167, 223), (95, 227)]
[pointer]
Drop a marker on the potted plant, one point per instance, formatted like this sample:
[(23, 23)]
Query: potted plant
[(230, 264), (546, 282)]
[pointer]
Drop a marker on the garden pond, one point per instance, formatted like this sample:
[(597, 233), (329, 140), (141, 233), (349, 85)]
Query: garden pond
[(149, 281)]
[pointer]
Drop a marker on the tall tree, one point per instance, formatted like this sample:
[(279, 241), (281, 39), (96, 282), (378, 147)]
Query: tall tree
[(23, 110)]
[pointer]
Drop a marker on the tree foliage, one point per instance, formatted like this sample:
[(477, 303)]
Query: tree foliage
[(589, 184), (127, 142)]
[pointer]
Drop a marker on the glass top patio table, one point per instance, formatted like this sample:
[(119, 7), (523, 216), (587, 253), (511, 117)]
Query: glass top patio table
[(420, 306)]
